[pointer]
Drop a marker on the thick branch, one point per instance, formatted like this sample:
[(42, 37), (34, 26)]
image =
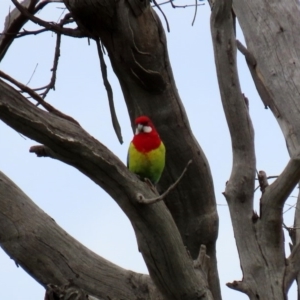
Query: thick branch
[(157, 235), (262, 251), (276, 194), (272, 238), (134, 38), (272, 31), (241, 182), (296, 238), (239, 189), (292, 271), (109, 91), (292, 268), (50, 255), (258, 270), (38, 98)]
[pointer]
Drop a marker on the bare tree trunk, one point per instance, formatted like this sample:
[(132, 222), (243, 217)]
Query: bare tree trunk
[(267, 274), (169, 234), (271, 30), (134, 38), (157, 235)]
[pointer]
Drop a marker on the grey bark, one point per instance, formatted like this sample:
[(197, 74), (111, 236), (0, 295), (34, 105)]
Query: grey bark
[(133, 36), (32, 238), (135, 40), (271, 30), (295, 234), (267, 274), (158, 238)]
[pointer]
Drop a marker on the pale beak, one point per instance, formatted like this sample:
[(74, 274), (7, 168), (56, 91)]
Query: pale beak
[(139, 128)]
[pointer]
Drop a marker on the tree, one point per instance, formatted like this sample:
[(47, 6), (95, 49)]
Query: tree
[(175, 236)]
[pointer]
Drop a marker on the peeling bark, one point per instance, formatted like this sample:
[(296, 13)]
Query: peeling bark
[(271, 30)]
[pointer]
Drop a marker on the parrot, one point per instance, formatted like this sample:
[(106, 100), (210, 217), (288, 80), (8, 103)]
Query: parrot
[(146, 153)]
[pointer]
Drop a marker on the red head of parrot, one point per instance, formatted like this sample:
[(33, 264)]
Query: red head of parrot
[(146, 154)]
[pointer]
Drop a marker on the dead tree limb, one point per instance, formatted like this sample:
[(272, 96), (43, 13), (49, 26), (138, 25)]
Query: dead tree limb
[(158, 238), (50, 255)]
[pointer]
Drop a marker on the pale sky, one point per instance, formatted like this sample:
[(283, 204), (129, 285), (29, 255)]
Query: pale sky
[(74, 201)]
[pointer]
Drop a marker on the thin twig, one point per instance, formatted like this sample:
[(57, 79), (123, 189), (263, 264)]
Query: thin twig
[(269, 177), (109, 91), (67, 19), (256, 188), (141, 199), (42, 4), (32, 74), (196, 6), (38, 98), (51, 26), (178, 6), (25, 32), (38, 89), (51, 84), (63, 11), (292, 206), (167, 23)]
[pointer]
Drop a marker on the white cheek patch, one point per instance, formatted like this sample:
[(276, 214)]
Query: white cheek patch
[(147, 129), (137, 131)]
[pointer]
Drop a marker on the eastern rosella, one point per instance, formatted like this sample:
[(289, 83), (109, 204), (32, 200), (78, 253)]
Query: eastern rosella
[(146, 154)]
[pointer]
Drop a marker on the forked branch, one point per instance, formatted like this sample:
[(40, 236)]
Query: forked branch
[(240, 187), (51, 26), (95, 275), (38, 98), (143, 200), (277, 193), (76, 147)]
